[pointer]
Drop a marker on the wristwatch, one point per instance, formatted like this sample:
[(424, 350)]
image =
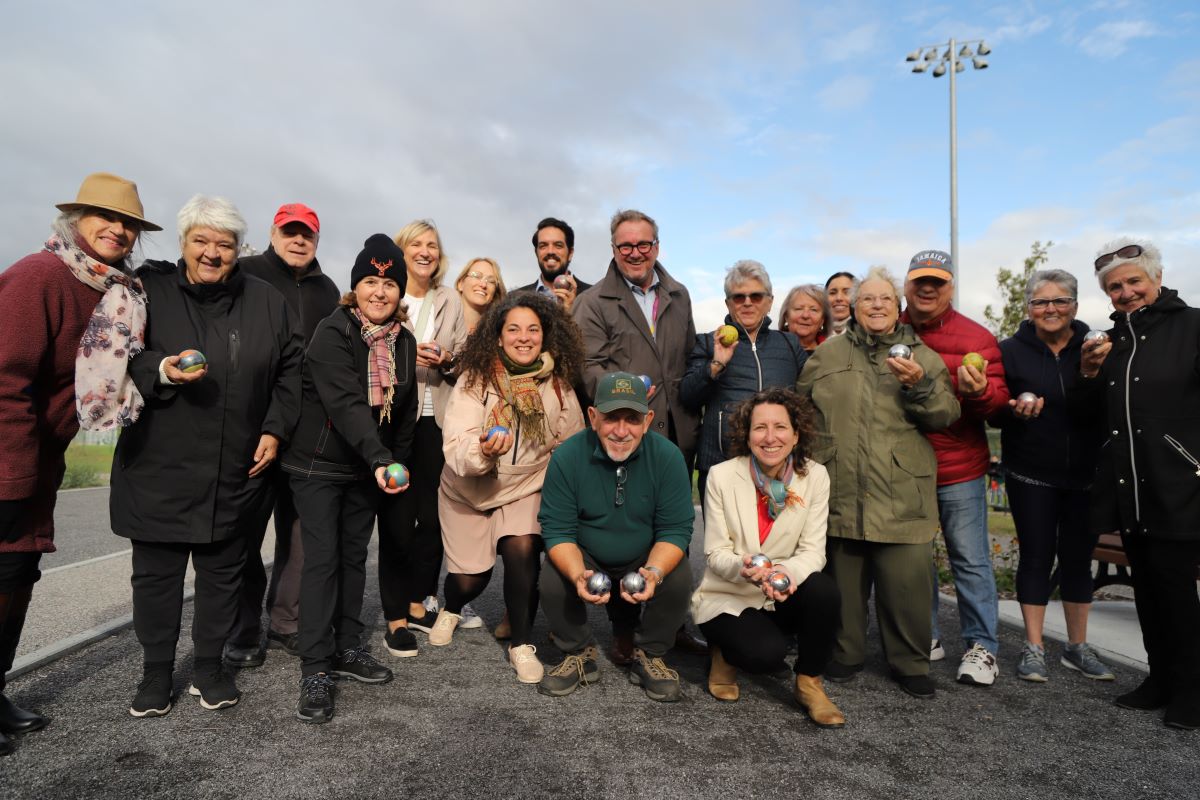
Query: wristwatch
[(658, 575), (720, 365)]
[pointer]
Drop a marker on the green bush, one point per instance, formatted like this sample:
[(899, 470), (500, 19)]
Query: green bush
[(81, 476)]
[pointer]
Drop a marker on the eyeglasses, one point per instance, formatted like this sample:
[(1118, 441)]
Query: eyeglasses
[(622, 474), (1061, 303), (1128, 251), (479, 276), (741, 297), (642, 247), (872, 299)]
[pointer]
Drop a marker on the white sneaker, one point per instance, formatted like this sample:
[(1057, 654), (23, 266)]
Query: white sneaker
[(525, 661), (431, 604), (936, 651), (443, 628), (978, 666), (469, 618)]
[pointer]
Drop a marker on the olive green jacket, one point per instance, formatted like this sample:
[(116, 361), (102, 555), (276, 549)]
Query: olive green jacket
[(882, 469)]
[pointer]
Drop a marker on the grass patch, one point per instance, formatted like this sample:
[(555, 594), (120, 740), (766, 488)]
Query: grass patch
[(88, 465)]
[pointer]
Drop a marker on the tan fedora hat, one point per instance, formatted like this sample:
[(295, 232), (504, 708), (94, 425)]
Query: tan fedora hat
[(111, 192)]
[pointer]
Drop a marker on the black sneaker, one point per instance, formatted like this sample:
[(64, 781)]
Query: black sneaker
[(360, 665), (401, 643), (842, 673), (287, 642), (575, 669), (154, 694), (921, 686), (423, 623), (316, 698), (658, 681), (214, 686), (244, 656)]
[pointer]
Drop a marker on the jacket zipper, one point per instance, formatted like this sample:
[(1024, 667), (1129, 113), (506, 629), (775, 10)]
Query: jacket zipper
[(234, 347), (1137, 503), (1171, 440), (757, 363)]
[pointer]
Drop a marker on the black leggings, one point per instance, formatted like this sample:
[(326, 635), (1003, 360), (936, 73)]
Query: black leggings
[(521, 565), (1051, 522)]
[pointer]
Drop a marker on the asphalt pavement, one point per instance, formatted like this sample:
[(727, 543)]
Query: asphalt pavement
[(456, 723)]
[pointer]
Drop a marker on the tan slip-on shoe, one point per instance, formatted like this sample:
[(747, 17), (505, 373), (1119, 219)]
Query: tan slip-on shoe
[(722, 677)]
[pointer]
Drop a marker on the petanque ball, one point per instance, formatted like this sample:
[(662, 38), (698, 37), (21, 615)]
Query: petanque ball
[(396, 475), (599, 584), (191, 361), (760, 560), (496, 429), (779, 582), (633, 582), (900, 351)]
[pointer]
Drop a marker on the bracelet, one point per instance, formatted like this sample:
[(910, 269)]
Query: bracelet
[(657, 573), (720, 365)]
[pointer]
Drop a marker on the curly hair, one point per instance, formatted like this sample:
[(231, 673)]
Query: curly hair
[(560, 338), (799, 411)]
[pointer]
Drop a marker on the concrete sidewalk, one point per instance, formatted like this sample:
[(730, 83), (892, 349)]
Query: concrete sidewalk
[(1113, 629)]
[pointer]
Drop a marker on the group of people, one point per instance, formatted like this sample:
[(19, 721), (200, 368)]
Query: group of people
[(472, 422)]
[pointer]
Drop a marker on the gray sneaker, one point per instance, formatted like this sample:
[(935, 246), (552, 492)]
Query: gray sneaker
[(1082, 658), (1032, 666)]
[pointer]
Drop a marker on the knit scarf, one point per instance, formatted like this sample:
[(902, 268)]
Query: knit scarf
[(381, 363), (775, 491), (520, 401), (105, 395)]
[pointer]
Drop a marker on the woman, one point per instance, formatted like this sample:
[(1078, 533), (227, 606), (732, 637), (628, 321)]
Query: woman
[(81, 281), (874, 410), (410, 536), (838, 288), (358, 415), (806, 313), (516, 375), (188, 478), (1145, 379), (478, 286), (770, 499), (720, 376), (1049, 461)]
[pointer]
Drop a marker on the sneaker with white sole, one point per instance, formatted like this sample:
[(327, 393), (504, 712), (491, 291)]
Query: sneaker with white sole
[(431, 604), (936, 651), (1083, 659), (1032, 666), (443, 628), (978, 667), (469, 619), (524, 660)]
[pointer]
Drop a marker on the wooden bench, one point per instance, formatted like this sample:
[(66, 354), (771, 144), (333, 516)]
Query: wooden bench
[(1112, 565)]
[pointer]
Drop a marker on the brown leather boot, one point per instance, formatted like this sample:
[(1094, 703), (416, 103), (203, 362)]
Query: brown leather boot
[(722, 677), (821, 710)]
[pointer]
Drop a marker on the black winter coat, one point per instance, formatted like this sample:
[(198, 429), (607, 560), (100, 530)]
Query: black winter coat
[(340, 436), (1055, 447), (181, 472), (1148, 394), (311, 296), (774, 360)]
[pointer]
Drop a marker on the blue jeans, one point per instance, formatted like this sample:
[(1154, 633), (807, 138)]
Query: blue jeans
[(962, 508)]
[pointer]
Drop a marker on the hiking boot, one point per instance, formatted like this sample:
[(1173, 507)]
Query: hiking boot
[(1083, 659), (213, 685), (1032, 666), (443, 628), (316, 698), (154, 694), (978, 667), (525, 661), (360, 665), (401, 643), (575, 669), (658, 681)]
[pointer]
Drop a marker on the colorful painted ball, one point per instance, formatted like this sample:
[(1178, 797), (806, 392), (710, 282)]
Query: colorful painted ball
[(562, 282), (599, 584), (436, 348), (974, 360), (646, 380), (496, 430), (727, 334), (633, 582), (779, 582), (900, 351), (191, 361), (1095, 335), (1027, 397), (760, 560), (396, 476)]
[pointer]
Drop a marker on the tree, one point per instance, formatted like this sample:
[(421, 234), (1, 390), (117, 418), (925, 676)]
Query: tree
[(1011, 286)]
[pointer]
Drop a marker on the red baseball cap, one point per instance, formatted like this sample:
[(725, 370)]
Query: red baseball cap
[(297, 212)]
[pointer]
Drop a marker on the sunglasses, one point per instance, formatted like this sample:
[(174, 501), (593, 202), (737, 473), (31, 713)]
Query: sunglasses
[(753, 297), (1126, 252), (1061, 303), (622, 474)]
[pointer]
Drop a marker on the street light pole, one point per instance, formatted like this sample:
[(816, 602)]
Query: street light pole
[(951, 61)]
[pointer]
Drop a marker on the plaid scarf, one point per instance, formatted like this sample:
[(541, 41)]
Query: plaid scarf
[(520, 401), (105, 395), (381, 363), (777, 494)]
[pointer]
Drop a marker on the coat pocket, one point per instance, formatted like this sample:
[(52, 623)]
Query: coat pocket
[(913, 483)]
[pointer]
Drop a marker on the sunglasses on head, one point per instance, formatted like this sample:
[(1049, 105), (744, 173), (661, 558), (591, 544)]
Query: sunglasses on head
[(1126, 252)]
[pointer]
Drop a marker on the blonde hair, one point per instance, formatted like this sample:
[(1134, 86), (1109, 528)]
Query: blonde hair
[(500, 288), (414, 229)]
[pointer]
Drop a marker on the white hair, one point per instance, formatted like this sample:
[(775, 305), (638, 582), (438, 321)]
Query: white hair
[(879, 273), (1059, 277), (1150, 260), (211, 212), (747, 270)]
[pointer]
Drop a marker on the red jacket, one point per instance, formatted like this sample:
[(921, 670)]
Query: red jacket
[(43, 312), (962, 449)]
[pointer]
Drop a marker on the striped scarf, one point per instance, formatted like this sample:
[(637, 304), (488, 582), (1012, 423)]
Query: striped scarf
[(381, 363), (520, 403)]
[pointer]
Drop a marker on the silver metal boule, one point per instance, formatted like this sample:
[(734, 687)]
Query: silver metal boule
[(633, 582), (1095, 335), (1027, 397), (900, 351), (599, 584), (562, 282), (760, 560), (779, 582)]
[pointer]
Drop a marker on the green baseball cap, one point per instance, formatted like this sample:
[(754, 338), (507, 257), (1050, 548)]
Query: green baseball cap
[(621, 390)]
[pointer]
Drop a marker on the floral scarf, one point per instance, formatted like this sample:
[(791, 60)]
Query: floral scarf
[(777, 494), (520, 401), (105, 394), (381, 363)]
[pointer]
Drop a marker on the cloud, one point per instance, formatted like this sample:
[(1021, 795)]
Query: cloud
[(852, 44), (1111, 39), (847, 93), (1171, 137)]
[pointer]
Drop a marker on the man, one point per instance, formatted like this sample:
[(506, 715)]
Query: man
[(554, 247), (637, 517), (839, 287), (962, 456), (290, 265)]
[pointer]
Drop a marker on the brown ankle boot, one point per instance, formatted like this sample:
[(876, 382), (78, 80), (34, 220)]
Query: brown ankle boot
[(821, 710), (722, 677)]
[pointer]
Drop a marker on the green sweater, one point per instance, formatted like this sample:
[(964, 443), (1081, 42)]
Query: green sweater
[(579, 499)]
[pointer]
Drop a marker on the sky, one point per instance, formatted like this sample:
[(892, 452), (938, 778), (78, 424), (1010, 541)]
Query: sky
[(791, 133)]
